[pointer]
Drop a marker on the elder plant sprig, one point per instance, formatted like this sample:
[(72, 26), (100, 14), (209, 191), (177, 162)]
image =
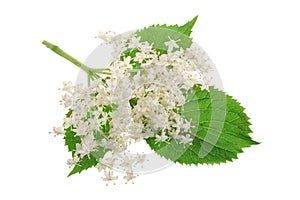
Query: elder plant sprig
[(157, 89)]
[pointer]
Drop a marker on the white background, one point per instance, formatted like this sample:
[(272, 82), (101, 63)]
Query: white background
[(254, 44)]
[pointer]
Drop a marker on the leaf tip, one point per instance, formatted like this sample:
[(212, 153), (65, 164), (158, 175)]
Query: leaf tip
[(195, 18)]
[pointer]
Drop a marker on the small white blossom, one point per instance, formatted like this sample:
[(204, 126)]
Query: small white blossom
[(66, 100), (134, 42), (109, 176), (58, 131), (172, 44), (140, 57), (100, 166), (129, 176), (68, 87), (185, 139), (106, 36), (82, 128), (73, 161), (161, 138)]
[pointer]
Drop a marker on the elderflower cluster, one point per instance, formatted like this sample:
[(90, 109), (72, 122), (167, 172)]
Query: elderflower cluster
[(139, 98)]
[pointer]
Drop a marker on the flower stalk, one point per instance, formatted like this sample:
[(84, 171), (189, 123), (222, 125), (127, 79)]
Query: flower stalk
[(91, 72)]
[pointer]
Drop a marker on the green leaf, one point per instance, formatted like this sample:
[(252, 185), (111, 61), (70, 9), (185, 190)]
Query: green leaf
[(69, 113), (133, 102), (71, 139), (185, 29), (85, 163), (221, 129), (105, 128), (100, 152), (110, 108), (157, 35), (89, 161)]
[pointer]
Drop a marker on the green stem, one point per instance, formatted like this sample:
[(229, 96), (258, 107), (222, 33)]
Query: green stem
[(90, 71)]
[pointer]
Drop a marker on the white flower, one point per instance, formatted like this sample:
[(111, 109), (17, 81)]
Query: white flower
[(125, 64), (185, 139), (80, 151), (68, 87), (73, 161), (109, 176), (88, 145), (88, 142), (58, 131), (134, 42), (106, 36), (67, 122), (100, 166), (186, 126), (140, 57), (172, 44), (161, 138), (82, 128), (66, 100), (129, 176)]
